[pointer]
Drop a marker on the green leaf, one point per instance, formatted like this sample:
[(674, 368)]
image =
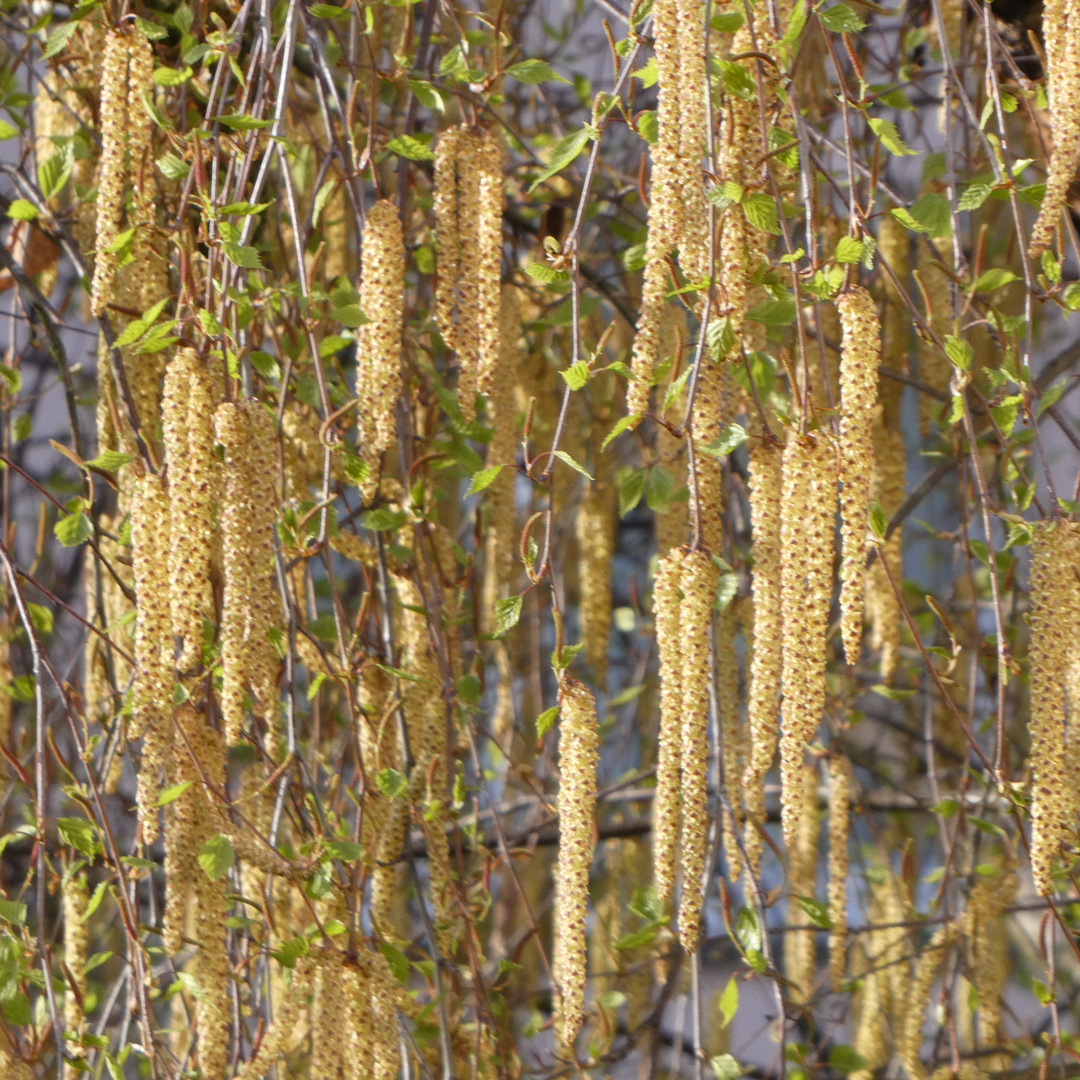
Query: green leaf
[(382, 520), (92, 905), (932, 212), (399, 965), (21, 210), (216, 857), (631, 486), (621, 425), (879, 520), (58, 39), (507, 614), (659, 488), (727, 22), (905, 219), (886, 131), (391, 783), (7, 131), (244, 209), (732, 436), (725, 1067), (959, 352), (577, 375), (79, 834), (974, 195), (738, 82), (41, 618), (816, 911), (171, 794), (166, 76), (327, 11), (649, 74), (74, 529), (946, 808), (637, 938), (649, 129), (562, 153), (773, 313), (243, 256), (291, 951), (427, 95), (13, 912), (729, 1001), (848, 250), (547, 274), (243, 122), (345, 850), (563, 456), (841, 20), (407, 147), (893, 693), (546, 721), (846, 1059), (534, 72), (484, 478), (761, 212), (995, 278)]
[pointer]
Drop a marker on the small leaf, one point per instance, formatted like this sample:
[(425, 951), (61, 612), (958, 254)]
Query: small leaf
[(577, 375), (345, 850), (391, 783), (816, 911), (932, 212), (621, 425), (547, 274), (773, 313), (382, 520), (13, 912), (1050, 397), (399, 965), (166, 76), (533, 72), (562, 455), (243, 122), (905, 219), (886, 131), (848, 250), (761, 212), (846, 1059), (729, 1001), (79, 834), (842, 20), (216, 857), (725, 1067), (563, 152), (546, 720), (110, 460), (879, 520), (484, 478), (74, 529), (21, 210), (171, 794), (946, 808), (407, 147), (959, 352), (631, 486), (327, 11), (507, 614), (995, 278), (734, 435)]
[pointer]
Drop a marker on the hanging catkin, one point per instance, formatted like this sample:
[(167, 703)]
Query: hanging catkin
[(445, 197), (152, 695), (909, 1043), (578, 755), (859, 360), (382, 258), (188, 426), (113, 169), (698, 578), (765, 664), (76, 951), (707, 484), (839, 823), (595, 526), (693, 240), (149, 281), (799, 945), (934, 367), (888, 485), (807, 514), (1061, 30), (488, 165), (667, 800), (727, 699), (360, 1044), (279, 1035), (1053, 557), (328, 1019), (185, 824)]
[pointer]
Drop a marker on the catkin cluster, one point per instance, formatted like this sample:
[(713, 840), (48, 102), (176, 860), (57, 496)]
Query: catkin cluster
[(468, 222), (888, 486), (766, 484), (1061, 39), (807, 514), (378, 375), (799, 945), (926, 971), (859, 360), (934, 367), (1055, 552), (839, 823), (738, 612), (578, 756), (251, 609), (595, 528), (76, 951)]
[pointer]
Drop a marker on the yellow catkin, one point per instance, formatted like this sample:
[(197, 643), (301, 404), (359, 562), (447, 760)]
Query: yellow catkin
[(152, 695), (1063, 80), (188, 428), (149, 281), (385, 997), (766, 663), (6, 675), (707, 486), (328, 1018), (693, 237), (727, 695), (839, 823), (934, 367), (488, 164), (382, 256), (893, 248), (578, 756), (279, 1035), (869, 1035), (808, 508), (986, 933), (445, 197), (385, 896), (184, 827), (12, 1066), (360, 1039), (76, 951), (698, 578), (910, 1043), (113, 169), (859, 360), (667, 800), (799, 945), (595, 525), (888, 487), (1052, 584)]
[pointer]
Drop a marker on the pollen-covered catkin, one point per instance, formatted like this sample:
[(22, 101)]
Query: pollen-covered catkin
[(934, 367), (1053, 550), (279, 1035), (859, 360), (148, 271), (152, 695), (578, 756), (445, 198), (839, 823), (595, 527), (727, 700), (699, 578), (799, 945), (668, 798), (888, 485), (693, 239), (328, 1044), (488, 164), (112, 172), (808, 511), (1063, 78), (766, 663), (909, 1043), (76, 951), (382, 255), (187, 425), (707, 483), (360, 1044)]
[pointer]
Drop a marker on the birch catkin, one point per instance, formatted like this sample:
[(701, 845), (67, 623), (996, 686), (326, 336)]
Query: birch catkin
[(859, 360), (595, 527), (839, 823), (382, 255), (766, 662), (698, 578), (76, 951), (799, 951), (1061, 26), (666, 803), (909, 1043), (578, 755), (488, 165), (808, 506)]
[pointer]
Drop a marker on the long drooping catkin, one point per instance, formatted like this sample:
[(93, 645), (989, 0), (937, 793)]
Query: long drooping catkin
[(595, 527), (808, 508), (360, 1046), (447, 232), (839, 823), (693, 240), (910, 1041), (76, 951), (727, 699), (328, 1019), (488, 165), (766, 663), (934, 368), (698, 578), (859, 360), (578, 755), (888, 486), (149, 280), (152, 696), (382, 256), (1061, 26), (287, 1011), (668, 798), (113, 169), (707, 485), (188, 426), (1053, 556), (250, 609), (799, 945)]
